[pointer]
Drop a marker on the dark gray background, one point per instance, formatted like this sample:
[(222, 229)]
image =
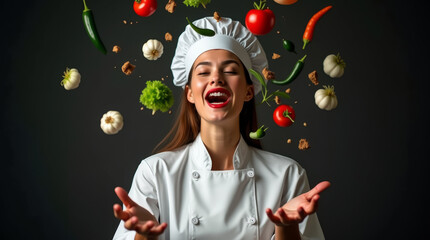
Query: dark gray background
[(59, 169)]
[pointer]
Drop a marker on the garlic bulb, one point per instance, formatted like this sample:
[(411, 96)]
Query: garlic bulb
[(152, 49), (334, 66), (326, 98), (71, 79), (111, 122)]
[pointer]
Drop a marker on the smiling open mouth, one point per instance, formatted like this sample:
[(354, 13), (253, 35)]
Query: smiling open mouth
[(217, 97)]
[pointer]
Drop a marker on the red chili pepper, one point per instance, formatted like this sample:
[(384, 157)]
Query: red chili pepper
[(309, 31)]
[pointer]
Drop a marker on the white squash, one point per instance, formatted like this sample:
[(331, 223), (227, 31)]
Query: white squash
[(334, 66), (326, 98), (71, 79), (152, 49), (111, 122)]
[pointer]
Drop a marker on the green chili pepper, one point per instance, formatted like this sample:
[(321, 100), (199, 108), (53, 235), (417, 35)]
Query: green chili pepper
[(293, 75), (90, 27), (201, 31), (260, 133), (288, 45)]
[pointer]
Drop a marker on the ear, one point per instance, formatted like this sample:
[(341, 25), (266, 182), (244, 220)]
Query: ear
[(249, 92), (190, 96)]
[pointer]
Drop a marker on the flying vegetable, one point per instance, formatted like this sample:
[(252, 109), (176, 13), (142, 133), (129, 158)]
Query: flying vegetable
[(260, 133), (90, 28), (334, 66), (71, 79), (157, 96), (111, 122), (196, 3)]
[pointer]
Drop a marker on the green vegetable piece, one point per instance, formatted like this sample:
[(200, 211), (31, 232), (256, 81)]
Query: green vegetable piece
[(90, 28), (259, 77), (288, 45), (157, 96), (281, 94), (264, 91), (260, 133), (293, 74), (201, 31), (196, 3)]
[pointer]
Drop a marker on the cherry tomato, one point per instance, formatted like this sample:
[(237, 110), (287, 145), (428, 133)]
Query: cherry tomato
[(284, 115), (145, 8), (260, 22)]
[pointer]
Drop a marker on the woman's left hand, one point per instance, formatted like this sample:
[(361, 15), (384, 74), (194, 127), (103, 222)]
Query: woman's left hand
[(295, 210)]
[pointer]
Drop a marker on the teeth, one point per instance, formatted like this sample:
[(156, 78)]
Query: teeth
[(217, 94)]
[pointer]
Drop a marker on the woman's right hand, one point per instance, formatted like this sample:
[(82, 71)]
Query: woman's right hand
[(136, 217)]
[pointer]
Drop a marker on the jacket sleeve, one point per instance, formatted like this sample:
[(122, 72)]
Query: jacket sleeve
[(144, 192), (296, 183)]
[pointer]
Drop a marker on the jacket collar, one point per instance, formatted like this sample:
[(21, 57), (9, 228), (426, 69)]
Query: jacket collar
[(201, 159)]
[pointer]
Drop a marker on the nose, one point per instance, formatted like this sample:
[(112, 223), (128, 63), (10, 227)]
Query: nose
[(217, 79)]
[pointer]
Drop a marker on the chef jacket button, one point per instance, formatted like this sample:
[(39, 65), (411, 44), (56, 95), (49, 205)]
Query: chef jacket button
[(250, 173), (252, 220), (195, 221), (196, 175)]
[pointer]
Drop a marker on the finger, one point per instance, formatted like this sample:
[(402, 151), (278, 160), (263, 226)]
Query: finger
[(123, 196), (272, 217), (131, 223), (145, 227), (301, 213), (157, 230), (319, 188), (314, 204), (119, 213), (283, 217)]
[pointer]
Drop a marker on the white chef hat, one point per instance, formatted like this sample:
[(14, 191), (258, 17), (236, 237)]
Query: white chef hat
[(229, 35)]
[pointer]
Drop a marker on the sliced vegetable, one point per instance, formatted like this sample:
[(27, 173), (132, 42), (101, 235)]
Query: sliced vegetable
[(90, 28), (111, 122), (334, 66), (196, 3), (284, 115), (71, 79), (288, 45), (156, 96), (152, 49), (326, 98), (264, 91), (201, 31), (260, 20), (293, 74), (260, 133), (145, 8), (309, 31), (285, 2)]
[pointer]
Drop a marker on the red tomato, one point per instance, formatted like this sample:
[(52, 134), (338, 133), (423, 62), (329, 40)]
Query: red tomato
[(284, 115), (260, 22), (145, 8)]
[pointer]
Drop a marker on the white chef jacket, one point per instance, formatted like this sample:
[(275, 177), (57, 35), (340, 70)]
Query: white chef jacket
[(179, 188)]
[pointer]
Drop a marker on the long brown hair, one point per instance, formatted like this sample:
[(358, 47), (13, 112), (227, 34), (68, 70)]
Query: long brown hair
[(187, 125)]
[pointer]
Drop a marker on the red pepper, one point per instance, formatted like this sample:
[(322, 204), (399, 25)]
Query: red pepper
[(309, 31)]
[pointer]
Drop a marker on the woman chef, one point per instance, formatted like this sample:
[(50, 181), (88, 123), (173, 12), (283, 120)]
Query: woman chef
[(211, 181)]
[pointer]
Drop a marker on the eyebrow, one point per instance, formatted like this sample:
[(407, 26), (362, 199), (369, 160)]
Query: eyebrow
[(226, 62)]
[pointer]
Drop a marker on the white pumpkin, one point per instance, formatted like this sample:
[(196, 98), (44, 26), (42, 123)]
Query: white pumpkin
[(152, 49), (111, 122), (326, 98), (334, 66), (71, 79)]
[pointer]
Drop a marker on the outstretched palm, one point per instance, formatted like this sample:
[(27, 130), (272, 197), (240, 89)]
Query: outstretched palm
[(295, 210), (136, 217)]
